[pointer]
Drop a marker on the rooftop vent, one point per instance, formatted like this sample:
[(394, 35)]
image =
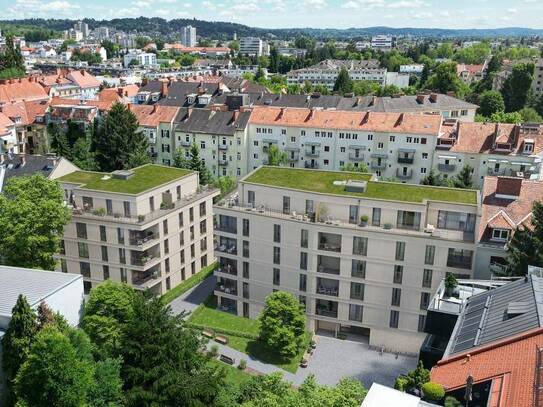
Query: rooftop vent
[(122, 174), (516, 308), (355, 186)]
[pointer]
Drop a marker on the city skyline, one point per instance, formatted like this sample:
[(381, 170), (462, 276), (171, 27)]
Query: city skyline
[(300, 14)]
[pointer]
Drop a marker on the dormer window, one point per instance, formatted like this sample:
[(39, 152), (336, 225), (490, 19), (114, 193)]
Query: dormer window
[(528, 147), (500, 234)]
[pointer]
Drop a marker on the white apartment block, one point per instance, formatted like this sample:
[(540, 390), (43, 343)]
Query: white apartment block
[(145, 59), (382, 42), (251, 46), (301, 231), (150, 227), (188, 36), (326, 72), (537, 83), (392, 145)]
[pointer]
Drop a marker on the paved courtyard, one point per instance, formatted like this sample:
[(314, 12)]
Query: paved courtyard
[(190, 300)]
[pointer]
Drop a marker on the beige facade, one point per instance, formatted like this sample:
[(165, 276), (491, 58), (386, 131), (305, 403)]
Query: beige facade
[(374, 280), (153, 239)]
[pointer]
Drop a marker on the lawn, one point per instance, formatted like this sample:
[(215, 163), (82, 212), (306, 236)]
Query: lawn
[(144, 178), (189, 283), (206, 315), (233, 374), (323, 182)]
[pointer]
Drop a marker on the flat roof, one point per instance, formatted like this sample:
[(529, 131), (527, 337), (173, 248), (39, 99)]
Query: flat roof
[(324, 182), (145, 178), (35, 285)]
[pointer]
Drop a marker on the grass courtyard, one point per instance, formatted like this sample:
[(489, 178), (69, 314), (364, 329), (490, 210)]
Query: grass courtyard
[(242, 334)]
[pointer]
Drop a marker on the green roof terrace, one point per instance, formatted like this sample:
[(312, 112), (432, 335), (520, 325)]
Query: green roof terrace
[(143, 179), (326, 182)]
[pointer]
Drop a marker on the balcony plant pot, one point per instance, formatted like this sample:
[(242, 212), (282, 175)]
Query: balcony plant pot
[(141, 218), (451, 285), (387, 226), (364, 220), (303, 363)]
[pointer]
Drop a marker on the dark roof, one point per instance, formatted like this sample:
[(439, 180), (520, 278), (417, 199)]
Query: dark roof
[(500, 313), (410, 103), (33, 164), (178, 92), (210, 122)]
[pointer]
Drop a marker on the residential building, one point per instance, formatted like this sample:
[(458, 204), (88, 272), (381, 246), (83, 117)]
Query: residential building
[(392, 145), (302, 231), (497, 347), (82, 27), (326, 72), (8, 136), (221, 137), (471, 73), (145, 59), (28, 119), (89, 85), (21, 90), (102, 33), (207, 52), (251, 46), (157, 123), (490, 149), (379, 396), (507, 205), (149, 227), (188, 36), (537, 82), (382, 42), (412, 69), (18, 165)]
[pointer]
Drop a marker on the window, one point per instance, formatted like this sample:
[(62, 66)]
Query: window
[(152, 203), (84, 269), (353, 214), (120, 236), (126, 207), (180, 219), (286, 204), (105, 272), (424, 156), (456, 221), (303, 301), (376, 217), (398, 274), (166, 246), (394, 319), (303, 260), (380, 145), (424, 301), (277, 233), (304, 237), (178, 191), (427, 278), (202, 209), (355, 312), (422, 323), (124, 277), (360, 246), (429, 254), (167, 265), (191, 214), (302, 286), (400, 251), (104, 253), (122, 256), (309, 206), (165, 226), (87, 287), (408, 220), (276, 276), (245, 269), (103, 235), (500, 234), (396, 297), (358, 268), (109, 207), (276, 255), (81, 229), (251, 198), (62, 247), (459, 258), (392, 139), (357, 291), (245, 248), (83, 249), (181, 238), (203, 227), (245, 227)]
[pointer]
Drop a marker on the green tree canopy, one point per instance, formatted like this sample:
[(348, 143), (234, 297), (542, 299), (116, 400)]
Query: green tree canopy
[(464, 179), (343, 83), (517, 86), (444, 79), (276, 157), (282, 323), (33, 216), (491, 102)]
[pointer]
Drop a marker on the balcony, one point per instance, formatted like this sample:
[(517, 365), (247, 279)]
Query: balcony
[(145, 279), (293, 157), (326, 308), (226, 245), (329, 242), (378, 165), (185, 143), (406, 160), (228, 266), (459, 262), (141, 260), (142, 238), (326, 286), (404, 174), (223, 147), (312, 152), (356, 157), (227, 286), (226, 224), (328, 265), (311, 165), (446, 167), (223, 163)]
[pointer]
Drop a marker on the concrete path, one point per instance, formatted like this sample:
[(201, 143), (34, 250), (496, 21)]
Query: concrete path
[(190, 300)]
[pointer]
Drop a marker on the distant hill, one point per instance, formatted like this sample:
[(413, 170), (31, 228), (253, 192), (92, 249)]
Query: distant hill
[(225, 30)]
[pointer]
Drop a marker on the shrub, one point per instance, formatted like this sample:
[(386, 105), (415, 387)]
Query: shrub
[(214, 351), (433, 391), (401, 383), (99, 212), (242, 364), (364, 218)]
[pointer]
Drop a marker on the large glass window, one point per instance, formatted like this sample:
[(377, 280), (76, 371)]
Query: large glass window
[(459, 258), (398, 274), (358, 269), (424, 301), (396, 297), (276, 276), (81, 229), (429, 255), (353, 214), (277, 233), (83, 250), (304, 237), (357, 291), (408, 220), (456, 221), (355, 312), (427, 278), (286, 204), (276, 255), (245, 227), (376, 217), (400, 251), (394, 319), (360, 246), (303, 260), (303, 282)]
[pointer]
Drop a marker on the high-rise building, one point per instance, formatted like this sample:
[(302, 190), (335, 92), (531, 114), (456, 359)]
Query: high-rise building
[(251, 46), (83, 27), (188, 36), (102, 33)]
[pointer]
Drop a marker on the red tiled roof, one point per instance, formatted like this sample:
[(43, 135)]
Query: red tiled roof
[(5, 124), (27, 111), (114, 94), (100, 104), (83, 79), (516, 210), (18, 90), (511, 364), (348, 120), (152, 116)]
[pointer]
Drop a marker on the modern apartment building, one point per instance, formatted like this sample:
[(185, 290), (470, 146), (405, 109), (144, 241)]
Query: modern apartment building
[(303, 231), (145, 59), (326, 72), (149, 227), (188, 36), (382, 42), (399, 145), (251, 46)]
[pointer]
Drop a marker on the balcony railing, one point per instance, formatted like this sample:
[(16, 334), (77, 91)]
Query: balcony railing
[(326, 313), (311, 165), (312, 153), (404, 174), (459, 262), (446, 167), (228, 269), (330, 247), (378, 166), (328, 269), (225, 228), (406, 160), (140, 241), (355, 157), (228, 249), (331, 291), (227, 289), (142, 260), (223, 147), (140, 279), (185, 143), (223, 163)]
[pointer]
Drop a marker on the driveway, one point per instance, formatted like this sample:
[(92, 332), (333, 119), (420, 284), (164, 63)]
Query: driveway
[(190, 300)]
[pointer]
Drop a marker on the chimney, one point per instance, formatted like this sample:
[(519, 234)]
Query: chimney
[(23, 160), (310, 115), (155, 109), (373, 100), (433, 97), (366, 118), (164, 88), (400, 120), (420, 99), (82, 72), (281, 113), (235, 115)]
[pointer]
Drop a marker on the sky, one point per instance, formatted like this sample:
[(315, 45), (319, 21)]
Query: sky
[(298, 13)]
